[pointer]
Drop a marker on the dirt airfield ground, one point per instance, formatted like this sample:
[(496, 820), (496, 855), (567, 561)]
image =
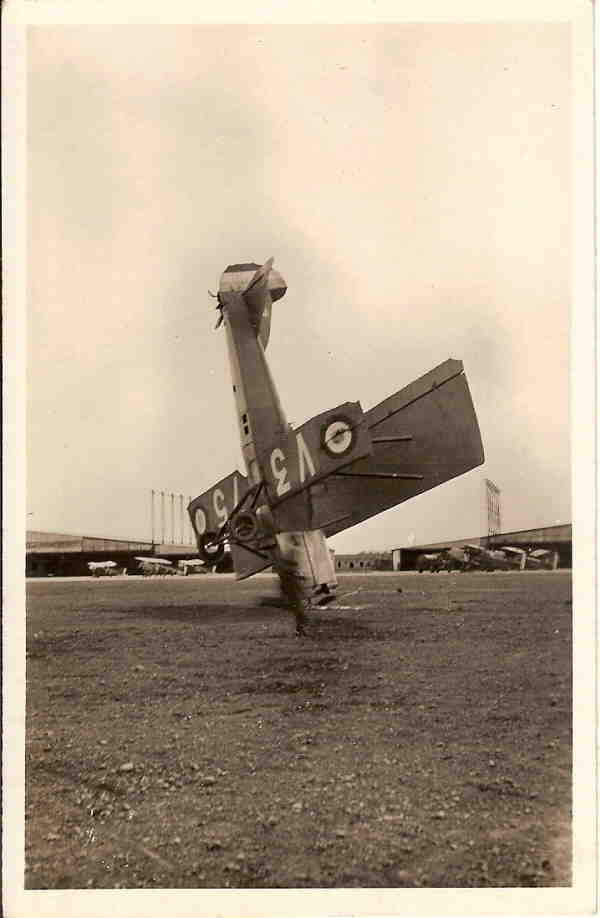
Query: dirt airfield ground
[(180, 735)]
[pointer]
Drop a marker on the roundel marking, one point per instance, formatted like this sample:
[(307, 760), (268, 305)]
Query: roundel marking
[(200, 521), (338, 436)]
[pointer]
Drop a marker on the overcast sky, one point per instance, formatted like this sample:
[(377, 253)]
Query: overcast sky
[(412, 183)]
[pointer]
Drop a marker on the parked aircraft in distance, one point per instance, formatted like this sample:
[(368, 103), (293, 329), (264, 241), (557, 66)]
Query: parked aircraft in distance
[(484, 559), (455, 559), (103, 568), (510, 557), (151, 566), (192, 566), (542, 559), (450, 559), (429, 562), (516, 557), (478, 558), (340, 468), (498, 560)]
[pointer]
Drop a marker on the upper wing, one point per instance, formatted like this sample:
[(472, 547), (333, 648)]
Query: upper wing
[(422, 436)]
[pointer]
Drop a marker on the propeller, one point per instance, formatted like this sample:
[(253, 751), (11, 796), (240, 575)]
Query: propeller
[(216, 296)]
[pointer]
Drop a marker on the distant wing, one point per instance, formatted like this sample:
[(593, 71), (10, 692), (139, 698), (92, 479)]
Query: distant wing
[(422, 436), (210, 510)]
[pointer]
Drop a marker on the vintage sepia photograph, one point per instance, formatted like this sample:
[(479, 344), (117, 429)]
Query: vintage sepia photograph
[(299, 404)]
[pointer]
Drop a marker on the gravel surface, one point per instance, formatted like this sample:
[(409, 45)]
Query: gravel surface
[(180, 735)]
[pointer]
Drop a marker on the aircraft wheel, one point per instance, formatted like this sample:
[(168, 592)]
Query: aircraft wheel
[(244, 526), (210, 551)]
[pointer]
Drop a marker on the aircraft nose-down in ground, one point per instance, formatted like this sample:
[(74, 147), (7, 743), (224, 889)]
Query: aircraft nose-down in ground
[(341, 467)]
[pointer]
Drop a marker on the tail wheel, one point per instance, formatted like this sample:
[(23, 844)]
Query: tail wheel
[(244, 526), (212, 552)]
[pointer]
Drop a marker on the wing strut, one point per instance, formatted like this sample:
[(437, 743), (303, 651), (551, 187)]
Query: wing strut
[(255, 492), (397, 475), (224, 534), (403, 439)]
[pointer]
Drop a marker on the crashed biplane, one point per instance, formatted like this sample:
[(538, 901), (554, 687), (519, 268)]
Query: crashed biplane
[(341, 467)]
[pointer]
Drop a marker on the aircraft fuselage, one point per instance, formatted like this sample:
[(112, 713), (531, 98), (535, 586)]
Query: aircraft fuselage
[(263, 425)]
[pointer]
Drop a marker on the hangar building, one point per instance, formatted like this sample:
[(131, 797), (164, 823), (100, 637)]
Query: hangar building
[(63, 555), (364, 561), (556, 538)]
